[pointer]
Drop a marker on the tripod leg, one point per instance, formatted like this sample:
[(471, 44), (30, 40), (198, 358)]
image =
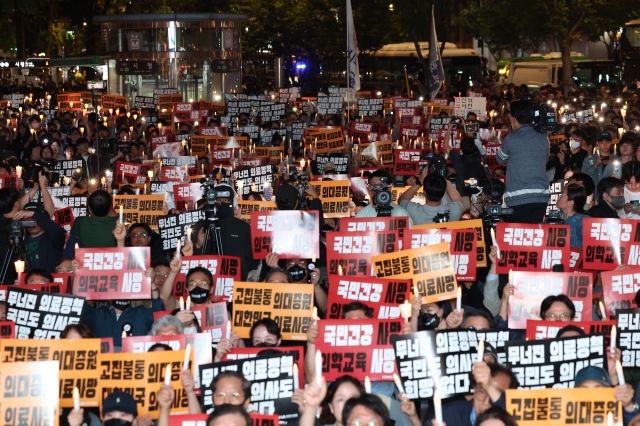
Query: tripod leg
[(7, 263)]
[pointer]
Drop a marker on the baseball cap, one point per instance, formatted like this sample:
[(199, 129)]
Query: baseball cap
[(592, 372), (604, 136), (490, 350), (286, 197), (119, 401), (329, 165)]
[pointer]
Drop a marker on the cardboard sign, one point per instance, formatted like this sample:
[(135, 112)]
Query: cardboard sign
[(247, 207), (555, 407), (30, 393), (334, 195), (462, 245), (174, 227), (140, 208), (113, 273), (7, 330), (275, 153), (481, 258), (359, 348), (330, 104), (288, 305), (212, 318), (525, 247), (554, 362), (55, 287), (225, 269), (381, 152), (186, 195), (619, 289), (254, 177), (475, 104), (189, 420), (370, 107), (77, 361), (292, 234), (491, 153), (78, 204), (64, 217), (628, 323), (272, 383), (229, 142), (540, 330), (341, 163), (9, 181), (431, 269), (253, 352), (608, 243), (39, 315), (200, 347), (409, 162), (555, 188), (384, 296), (531, 288), (351, 253), (375, 224)]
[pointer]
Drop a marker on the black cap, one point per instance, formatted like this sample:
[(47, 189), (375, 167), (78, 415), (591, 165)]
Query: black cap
[(119, 401), (286, 197), (604, 136)]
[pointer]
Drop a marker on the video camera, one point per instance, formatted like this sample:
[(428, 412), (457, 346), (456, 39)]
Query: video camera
[(382, 198), (555, 217), (441, 217), (301, 183), (544, 117), (32, 169), (210, 194), (438, 165), (495, 211)]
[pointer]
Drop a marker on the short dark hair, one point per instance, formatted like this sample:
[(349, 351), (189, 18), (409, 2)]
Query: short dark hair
[(144, 226), (226, 409), (435, 186), (357, 306), (200, 269), (8, 198), (155, 346), (471, 312), (497, 413), (578, 195), (276, 270), (587, 182), (579, 133), (372, 402), (82, 329), (631, 169), (550, 300), (271, 326), (100, 203), (326, 416), (608, 184), (246, 385), (522, 111), (501, 369), (383, 175), (568, 328), (494, 185), (41, 272)]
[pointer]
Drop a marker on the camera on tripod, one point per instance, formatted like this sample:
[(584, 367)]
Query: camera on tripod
[(382, 198), (210, 195), (438, 165), (18, 226), (301, 183), (544, 116)]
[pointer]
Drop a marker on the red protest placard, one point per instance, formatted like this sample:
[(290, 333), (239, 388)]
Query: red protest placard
[(607, 243), (292, 234), (531, 288), (186, 195), (61, 285), (113, 273), (491, 152), (409, 161), (222, 155), (174, 173), (188, 419), (383, 296), (7, 330), (375, 224), (265, 419), (212, 131), (9, 181), (412, 116), (349, 253), (462, 246), (106, 345), (64, 217), (357, 347), (619, 289), (525, 247), (225, 269), (540, 330), (132, 172), (63, 279)]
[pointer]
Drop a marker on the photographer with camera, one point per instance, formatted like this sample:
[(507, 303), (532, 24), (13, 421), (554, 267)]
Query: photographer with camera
[(441, 199), (468, 165), (379, 189), (525, 152)]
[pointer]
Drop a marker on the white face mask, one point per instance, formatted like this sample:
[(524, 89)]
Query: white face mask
[(574, 144)]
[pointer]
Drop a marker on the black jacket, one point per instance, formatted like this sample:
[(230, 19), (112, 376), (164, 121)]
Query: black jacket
[(603, 210), (45, 251)]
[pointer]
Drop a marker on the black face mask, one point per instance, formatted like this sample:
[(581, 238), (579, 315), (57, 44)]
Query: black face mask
[(117, 422), (297, 272), (199, 295), (244, 122), (429, 321), (123, 305), (224, 210), (265, 345)]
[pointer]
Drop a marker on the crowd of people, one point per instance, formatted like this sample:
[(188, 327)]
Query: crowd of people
[(599, 160)]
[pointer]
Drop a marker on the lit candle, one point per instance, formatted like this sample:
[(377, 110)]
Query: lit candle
[(416, 292), (398, 383), (76, 398), (314, 315), (181, 303), (405, 310), (124, 334), (167, 375), (318, 368), (302, 163), (437, 406), (619, 371), (19, 171), (144, 191), (614, 332), (77, 246), (602, 311), (178, 249), (187, 354), (493, 238), (121, 215), (459, 299), (511, 276), (480, 350), (367, 384), (296, 376), (228, 335), (188, 304), (340, 270), (150, 174), (610, 419), (19, 265)]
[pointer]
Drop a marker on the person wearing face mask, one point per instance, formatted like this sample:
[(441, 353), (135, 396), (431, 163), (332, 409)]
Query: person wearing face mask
[(118, 409), (611, 194), (631, 178), (265, 333), (199, 282)]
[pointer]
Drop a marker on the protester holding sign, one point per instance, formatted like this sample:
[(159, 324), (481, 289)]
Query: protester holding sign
[(95, 230)]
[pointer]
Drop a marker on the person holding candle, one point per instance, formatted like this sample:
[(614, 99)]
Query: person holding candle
[(118, 409), (601, 163), (141, 235)]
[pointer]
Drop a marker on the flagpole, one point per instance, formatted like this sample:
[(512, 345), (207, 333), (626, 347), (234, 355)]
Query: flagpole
[(346, 14)]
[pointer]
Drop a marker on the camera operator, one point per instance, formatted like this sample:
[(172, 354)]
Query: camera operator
[(89, 161), (468, 165), (526, 152), (440, 197), (234, 233), (44, 241), (376, 180)]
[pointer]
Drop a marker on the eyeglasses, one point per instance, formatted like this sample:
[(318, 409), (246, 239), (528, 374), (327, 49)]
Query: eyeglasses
[(158, 274), (196, 283), (142, 235), (554, 317), (361, 423), (222, 394)]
